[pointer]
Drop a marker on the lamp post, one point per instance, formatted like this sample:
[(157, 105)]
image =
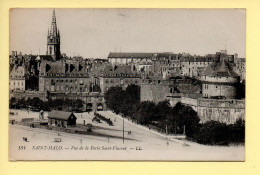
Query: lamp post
[(80, 84), (123, 129)]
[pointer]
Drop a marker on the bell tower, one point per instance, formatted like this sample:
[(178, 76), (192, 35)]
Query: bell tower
[(53, 39)]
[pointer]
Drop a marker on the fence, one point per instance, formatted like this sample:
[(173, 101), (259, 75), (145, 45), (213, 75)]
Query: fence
[(79, 129)]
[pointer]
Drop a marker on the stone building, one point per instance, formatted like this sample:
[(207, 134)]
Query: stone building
[(166, 64), (120, 75), (219, 89), (61, 76), (143, 66), (120, 58), (156, 89), (17, 78), (23, 66), (223, 110), (240, 68), (193, 66), (219, 81)]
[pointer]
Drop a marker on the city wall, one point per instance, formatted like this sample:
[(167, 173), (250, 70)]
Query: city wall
[(211, 90), (28, 94), (96, 100), (155, 92), (225, 111)]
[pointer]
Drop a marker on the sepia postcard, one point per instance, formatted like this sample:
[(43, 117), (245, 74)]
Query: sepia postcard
[(127, 84)]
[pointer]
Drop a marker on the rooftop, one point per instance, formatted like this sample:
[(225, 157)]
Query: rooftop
[(60, 115), (129, 55), (221, 69)]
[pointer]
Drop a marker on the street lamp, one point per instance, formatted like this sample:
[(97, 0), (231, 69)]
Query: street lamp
[(123, 129), (80, 88)]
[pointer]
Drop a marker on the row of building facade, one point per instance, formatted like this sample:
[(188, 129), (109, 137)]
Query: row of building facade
[(197, 81)]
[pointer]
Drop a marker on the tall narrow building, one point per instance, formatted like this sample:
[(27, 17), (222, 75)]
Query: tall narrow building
[(53, 40)]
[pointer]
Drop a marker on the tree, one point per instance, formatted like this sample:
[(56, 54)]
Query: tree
[(78, 104), (132, 99), (35, 102), (12, 102), (238, 131), (214, 133), (22, 102), (162, 110), (145, 112), (123, 101), (183, 116), (114, 98), (133, 91)]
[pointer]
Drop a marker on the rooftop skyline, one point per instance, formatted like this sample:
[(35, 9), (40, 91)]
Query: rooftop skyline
[(94, 33)]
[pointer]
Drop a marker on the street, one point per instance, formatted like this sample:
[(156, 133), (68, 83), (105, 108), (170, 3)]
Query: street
[(139, 144)]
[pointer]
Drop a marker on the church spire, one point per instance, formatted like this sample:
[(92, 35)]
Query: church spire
[(53, 39), (53, 16), (53, 31)]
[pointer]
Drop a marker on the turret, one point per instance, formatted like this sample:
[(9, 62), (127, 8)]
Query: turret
[(219, 80)]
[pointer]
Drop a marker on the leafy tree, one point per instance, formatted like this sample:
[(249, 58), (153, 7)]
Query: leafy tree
[(132, 99), (78, 104), (133, 91), (238, 131), (12, 102), (162, 110), (114, 98), (213, 132), (22, 101), (145, 112), (183, 116), (35, 102)]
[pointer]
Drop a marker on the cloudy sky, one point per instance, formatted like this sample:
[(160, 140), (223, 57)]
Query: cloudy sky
[(93, 33)]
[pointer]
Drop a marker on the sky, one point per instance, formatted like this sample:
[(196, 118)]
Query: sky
[(94, 33)]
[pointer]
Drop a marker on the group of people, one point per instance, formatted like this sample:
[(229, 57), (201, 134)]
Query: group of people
[(101, 117)]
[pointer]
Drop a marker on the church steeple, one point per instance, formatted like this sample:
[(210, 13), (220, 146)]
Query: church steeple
[(53, 24), (53, 39)]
